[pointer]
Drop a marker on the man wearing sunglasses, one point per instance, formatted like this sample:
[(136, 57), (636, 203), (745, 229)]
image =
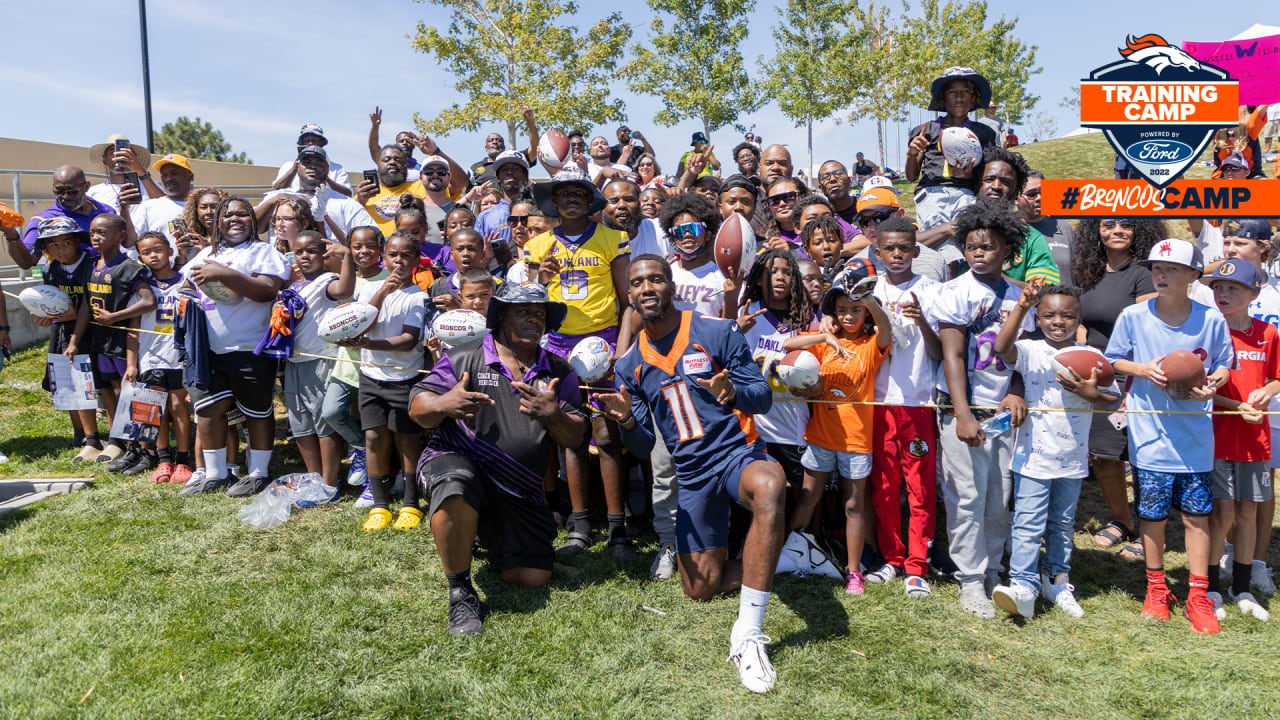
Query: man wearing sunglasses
[(70, 200), (1059, 234)]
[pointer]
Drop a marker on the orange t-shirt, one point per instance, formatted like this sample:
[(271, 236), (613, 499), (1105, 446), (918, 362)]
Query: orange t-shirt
[(843, 427)]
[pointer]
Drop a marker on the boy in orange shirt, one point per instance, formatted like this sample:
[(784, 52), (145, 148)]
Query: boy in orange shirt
[(839, 435)]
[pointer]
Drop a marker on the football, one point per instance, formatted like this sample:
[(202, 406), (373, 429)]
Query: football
[(347, 321), (735, 247), (1083, 360), (553, 150), (45, 301), (590, 359), (1184, 371), (215, 290), (459, 327), (959, 145), (800, 370)]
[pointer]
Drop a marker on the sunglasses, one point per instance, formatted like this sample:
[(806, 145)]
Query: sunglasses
[(1124, 224), (517, 220), (874, 218), (689, 230), (783, 198), (437, 172)]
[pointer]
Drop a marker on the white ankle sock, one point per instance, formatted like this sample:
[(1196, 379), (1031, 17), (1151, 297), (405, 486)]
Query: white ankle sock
[(258, 461), (215, 463), (751, 607)]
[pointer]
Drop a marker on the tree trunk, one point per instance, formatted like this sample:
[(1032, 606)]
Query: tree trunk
[(511, 135), (880, 139), (810, 171)]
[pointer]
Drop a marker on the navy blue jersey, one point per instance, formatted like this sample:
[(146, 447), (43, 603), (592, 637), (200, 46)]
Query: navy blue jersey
[(73, 281), (661, 377)]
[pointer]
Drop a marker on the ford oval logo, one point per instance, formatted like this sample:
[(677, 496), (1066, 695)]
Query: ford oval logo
[(1159, 152)]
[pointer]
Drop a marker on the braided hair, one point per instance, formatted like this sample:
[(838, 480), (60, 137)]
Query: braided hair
[(799, 312)]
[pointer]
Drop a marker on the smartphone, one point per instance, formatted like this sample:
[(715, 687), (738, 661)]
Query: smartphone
[(371, 176), (177, 227), (131, 178), (122, 144)]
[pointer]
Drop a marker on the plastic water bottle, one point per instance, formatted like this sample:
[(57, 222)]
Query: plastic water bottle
[(997, 424), (37, 273)]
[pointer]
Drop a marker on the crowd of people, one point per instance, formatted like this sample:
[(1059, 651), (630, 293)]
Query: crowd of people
[(935, 339)]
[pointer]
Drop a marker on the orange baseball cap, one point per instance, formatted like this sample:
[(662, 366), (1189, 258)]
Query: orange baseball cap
[(879, 199)]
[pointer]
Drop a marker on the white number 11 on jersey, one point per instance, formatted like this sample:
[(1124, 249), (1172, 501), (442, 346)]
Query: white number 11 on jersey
[(687, 422)]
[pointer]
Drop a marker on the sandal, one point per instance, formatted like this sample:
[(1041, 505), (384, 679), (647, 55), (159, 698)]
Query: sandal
[(1112, 534), (1132, 551)]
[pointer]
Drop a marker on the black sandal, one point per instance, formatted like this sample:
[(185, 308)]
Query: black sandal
[(1114, 533)]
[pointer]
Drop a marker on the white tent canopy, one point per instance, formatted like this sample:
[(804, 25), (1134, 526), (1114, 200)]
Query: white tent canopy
[(1258, 30)]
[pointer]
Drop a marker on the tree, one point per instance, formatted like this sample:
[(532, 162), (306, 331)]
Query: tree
[(813, 41), (1043, 126), (695, 67), (196, 141), (505, 54), (1072, 100), (873, 71)]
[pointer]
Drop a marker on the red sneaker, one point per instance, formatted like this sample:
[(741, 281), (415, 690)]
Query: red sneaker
[(1200, 612), (181, 474), (1159, 598), (162, 473)]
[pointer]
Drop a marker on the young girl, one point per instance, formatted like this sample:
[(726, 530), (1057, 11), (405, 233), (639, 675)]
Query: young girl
[(839, 436), (391, 347), (412, 219), (305, 376), (344, 379)]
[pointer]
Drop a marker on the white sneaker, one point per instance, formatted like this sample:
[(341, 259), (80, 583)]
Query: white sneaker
[(808, 559), (1015, 599), (1261, 579), (1249, 605), (664, 566), (754, 669), (1062, 594), (886, 574), (3, 458), (366, 498), (1218, 611), (974, 600), (1225, 563)]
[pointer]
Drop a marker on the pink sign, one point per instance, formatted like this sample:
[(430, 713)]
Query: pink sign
[(1254, 62)]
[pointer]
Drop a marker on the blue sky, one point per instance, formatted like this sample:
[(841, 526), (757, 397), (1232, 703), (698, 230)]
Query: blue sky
[(258, 70)]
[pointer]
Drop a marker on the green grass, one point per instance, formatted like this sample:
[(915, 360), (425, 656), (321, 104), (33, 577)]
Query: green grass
[(169, 607)]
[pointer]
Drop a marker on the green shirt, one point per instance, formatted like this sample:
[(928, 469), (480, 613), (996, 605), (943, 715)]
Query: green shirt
[(1035, 261)]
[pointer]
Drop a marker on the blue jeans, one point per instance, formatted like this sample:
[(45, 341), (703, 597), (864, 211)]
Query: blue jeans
[(336, 411), (1042, 509)]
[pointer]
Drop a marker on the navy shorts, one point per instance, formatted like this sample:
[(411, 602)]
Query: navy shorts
[(702, 512), (1155, 492)]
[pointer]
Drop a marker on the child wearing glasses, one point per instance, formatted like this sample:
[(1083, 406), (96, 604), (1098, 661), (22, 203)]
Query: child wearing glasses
[(691, 222)]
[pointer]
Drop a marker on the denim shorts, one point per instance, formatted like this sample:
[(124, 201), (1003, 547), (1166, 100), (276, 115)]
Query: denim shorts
[(1155, 492), (850, 465)]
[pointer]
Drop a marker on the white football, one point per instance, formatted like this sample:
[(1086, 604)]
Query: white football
[(800, 370), (347, 321), (553, 149), (590, 359), (459, 327), (959, 145), (45, 301)]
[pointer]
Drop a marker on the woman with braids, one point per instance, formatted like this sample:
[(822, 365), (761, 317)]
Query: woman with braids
[(776, 308), (1104, 266), (197, 215)]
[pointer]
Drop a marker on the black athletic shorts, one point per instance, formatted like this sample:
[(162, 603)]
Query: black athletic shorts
[(386, 404), (788, 456), (247, 378), (166, 378), (516, 532), (1105, 441)]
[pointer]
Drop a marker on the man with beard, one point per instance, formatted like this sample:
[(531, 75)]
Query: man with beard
[(747, 155), (312, 135), (70, 200), (495, 145), (623, 213), (1002, 175), (405, 139), (1057, 233), (156, 214), (339, 210), (499, 408), (692, 378), (511, 169), (382, 199), (638, 143), (601, 169)]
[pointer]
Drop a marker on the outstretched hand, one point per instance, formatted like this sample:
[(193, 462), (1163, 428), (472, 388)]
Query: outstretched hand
[(721, 386), (617, 405), (462, 404)]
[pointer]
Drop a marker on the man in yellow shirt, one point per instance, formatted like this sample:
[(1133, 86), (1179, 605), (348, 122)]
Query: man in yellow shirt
[(584, 265), (382, 199)]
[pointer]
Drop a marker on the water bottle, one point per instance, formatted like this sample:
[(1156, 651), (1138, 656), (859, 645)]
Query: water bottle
[(997, 424), (37, 273)]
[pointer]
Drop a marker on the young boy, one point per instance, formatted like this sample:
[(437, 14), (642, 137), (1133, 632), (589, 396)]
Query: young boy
[(970, 311), (905, 434), (1171, 458), (691, 221), (823, 239), (1242, 443), (70, 266), (1051, 457), (475, 289), (115, 281), (158, 362), (384, 391), (467, 252)]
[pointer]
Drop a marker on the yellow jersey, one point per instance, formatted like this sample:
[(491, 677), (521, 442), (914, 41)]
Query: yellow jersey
[(585, 280), (384, 206)]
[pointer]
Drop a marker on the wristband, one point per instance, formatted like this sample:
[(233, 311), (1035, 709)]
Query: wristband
[(4, 328), (145, 176)]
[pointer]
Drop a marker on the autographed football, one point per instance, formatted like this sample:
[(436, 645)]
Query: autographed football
[(1083, 360), (1183, 370), (553, 150), (459, 327), (590, 359), (735, 246), (959, 145), (347, 321), (45, 301), (800, 370)]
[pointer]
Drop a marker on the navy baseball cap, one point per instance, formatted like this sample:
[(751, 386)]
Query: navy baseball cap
[(698, 137), (1238, 271), (313, 151), (1251, 228)]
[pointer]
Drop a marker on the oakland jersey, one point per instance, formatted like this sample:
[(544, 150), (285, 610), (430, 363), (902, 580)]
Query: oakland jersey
[(158, 351), (786, 420), (585, 280), (110, 289)]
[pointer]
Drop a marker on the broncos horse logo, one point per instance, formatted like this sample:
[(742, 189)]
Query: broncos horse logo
[(1154, 51)]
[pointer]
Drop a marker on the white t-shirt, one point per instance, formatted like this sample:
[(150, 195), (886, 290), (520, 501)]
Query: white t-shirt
[(700, 289), (158, 352), (650, 240), (402, 309), (906, 378), (594, 170), (108, 193), (970, 303), (786, 420), (1049, 445), (346, 213), (306, 338), (153, 216), (336, 174), (239, 323), (1210, 242)]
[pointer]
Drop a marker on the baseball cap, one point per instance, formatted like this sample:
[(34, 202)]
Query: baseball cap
[(313, 151), (1251, 228), (1179, 252), (698, 137), (1234, 159), (504, 157), (876, 181), (526, 293), (312, 129), (878, 199), (173, 159), (1238, 271), (437, 160)]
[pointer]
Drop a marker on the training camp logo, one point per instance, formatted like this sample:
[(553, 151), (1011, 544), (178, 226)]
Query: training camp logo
[(1158, 106)]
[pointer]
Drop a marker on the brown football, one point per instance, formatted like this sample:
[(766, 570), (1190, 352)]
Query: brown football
[(1084, 360), (1184, 371)]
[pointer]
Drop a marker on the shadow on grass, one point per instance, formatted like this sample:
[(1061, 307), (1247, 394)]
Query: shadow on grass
[(37, 447), (814, 600), (15, 518), (501, 597)]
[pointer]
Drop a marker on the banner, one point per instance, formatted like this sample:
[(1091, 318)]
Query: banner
[(138, 413), (1254, 62), (71, 382), (1212, 199)]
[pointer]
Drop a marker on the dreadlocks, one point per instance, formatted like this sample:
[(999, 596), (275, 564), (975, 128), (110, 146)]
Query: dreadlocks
[(799, 313)]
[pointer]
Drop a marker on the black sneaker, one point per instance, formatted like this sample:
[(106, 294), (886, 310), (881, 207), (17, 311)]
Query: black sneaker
[(622, 550), (127, 460), (248, 485), (145, 462), (466, 614), (202, 483)]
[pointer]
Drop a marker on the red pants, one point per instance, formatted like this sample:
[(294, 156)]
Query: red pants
[(904, 447)]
